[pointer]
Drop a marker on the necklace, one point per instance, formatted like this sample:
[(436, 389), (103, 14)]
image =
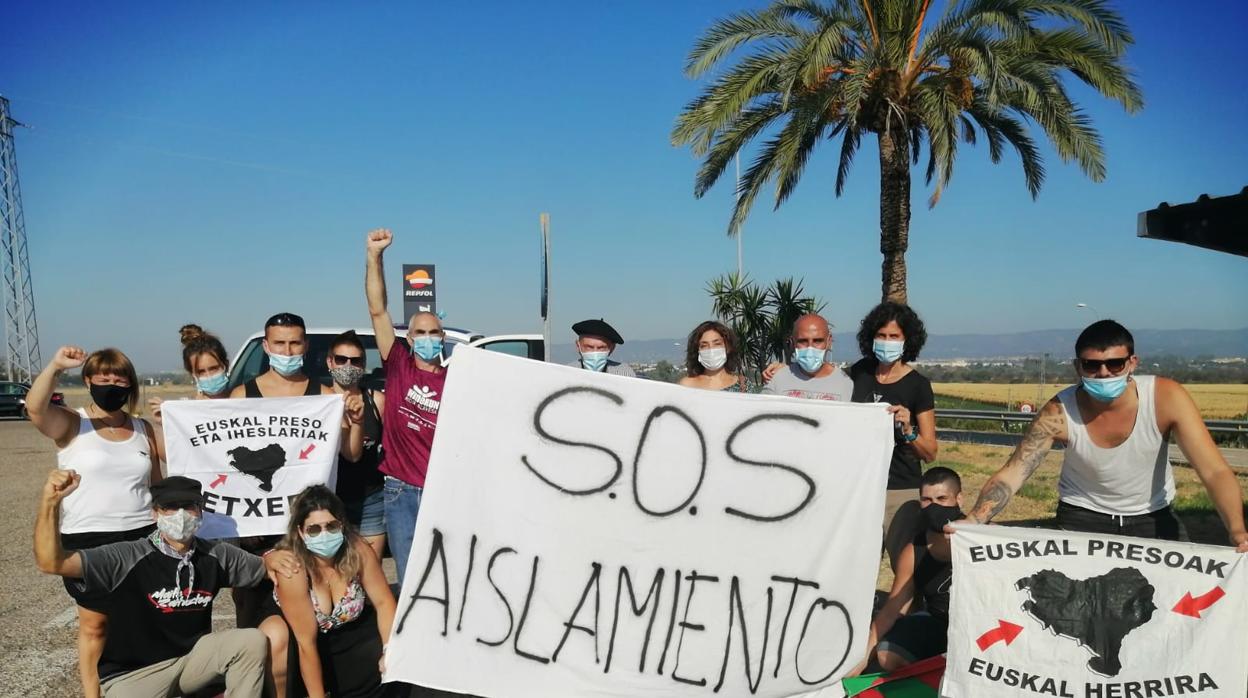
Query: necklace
[(111, 429)]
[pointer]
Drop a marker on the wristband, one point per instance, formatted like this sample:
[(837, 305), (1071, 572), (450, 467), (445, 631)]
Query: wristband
[(911, 437)]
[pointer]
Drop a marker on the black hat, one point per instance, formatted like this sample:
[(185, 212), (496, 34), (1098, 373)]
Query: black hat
[(176, 490), (597, 328)]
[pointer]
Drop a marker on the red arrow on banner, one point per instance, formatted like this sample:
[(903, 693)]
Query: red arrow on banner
[(219, 481), (1188, 606), (303, 455), (1004, 631)]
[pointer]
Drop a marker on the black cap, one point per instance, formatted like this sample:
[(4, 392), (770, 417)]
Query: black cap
[(176, 490), (597, 328)]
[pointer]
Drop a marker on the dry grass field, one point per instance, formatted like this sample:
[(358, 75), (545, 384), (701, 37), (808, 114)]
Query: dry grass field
[(78, 396), (1036, 502), (1222, 401)]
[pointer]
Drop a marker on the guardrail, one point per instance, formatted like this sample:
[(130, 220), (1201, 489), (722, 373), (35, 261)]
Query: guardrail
[(1006, 417)]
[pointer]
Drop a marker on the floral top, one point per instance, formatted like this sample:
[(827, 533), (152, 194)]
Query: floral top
[(741, 386), (348, 608)]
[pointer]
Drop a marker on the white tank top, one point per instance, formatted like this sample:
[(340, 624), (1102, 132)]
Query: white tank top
[(1132, 479), (116, 477)]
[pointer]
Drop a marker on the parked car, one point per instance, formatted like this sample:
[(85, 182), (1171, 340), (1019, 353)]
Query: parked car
[(13, 399), (250, 360)]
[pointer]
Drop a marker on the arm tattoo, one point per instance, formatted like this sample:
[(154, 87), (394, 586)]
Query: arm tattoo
[(992, 500), (1026, 458)]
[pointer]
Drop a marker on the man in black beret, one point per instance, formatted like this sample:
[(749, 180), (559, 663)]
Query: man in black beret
[(157, 593), (595, 340)]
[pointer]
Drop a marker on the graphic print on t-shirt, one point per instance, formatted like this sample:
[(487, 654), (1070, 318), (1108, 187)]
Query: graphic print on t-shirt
[(815, 395), (173, 599), (426, 403)]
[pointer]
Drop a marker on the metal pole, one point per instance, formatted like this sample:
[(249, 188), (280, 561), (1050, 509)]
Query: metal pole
[(545, 223), (739, 232), (1044, 361)]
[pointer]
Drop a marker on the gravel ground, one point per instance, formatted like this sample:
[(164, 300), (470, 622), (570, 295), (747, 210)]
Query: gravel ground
[(37, 639), (38, 635)]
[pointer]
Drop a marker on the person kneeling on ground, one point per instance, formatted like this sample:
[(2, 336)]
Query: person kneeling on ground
[(339, 612), (158, 593), (924, 570)]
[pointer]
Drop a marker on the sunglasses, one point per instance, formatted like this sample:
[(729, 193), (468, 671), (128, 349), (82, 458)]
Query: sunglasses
[(340, 360), (1094, 365), (315, 529), (285, 320)]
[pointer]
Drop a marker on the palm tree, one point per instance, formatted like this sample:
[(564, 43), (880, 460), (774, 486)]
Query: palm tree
[(851, 69), (761, 316)]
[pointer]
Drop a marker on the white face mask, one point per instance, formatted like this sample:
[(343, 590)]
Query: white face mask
[(179, 526), (712, 359)]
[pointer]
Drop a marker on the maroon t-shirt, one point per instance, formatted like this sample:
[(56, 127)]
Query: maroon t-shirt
[(413, 398)]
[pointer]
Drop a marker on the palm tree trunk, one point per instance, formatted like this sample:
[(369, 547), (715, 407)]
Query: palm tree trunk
[(894, 211)]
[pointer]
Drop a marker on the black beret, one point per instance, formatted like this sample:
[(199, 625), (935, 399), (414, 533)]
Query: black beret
[(597, 328), (176, 490)]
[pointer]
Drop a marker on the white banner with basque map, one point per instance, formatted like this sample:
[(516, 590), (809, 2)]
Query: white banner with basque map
[(252, 456), (584, 534), (1076, 615)]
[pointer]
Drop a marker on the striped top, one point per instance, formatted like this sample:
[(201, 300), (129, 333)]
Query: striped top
[(615, 368)]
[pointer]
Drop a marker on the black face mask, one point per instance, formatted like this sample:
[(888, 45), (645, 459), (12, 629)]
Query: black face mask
[(936, 516), (110, 398)]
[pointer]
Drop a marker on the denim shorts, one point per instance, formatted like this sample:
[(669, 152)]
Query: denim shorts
[(369, 514)]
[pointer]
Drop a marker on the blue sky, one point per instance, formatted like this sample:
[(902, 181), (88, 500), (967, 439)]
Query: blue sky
[(217, 163)]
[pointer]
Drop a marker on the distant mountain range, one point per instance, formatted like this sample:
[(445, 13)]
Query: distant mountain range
[(1058, 343)]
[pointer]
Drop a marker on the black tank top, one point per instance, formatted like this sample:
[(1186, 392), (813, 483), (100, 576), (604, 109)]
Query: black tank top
[(358, 479), (251, 389)]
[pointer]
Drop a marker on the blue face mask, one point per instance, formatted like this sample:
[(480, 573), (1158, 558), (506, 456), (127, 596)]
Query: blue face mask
[(1105, 389), (594, 360), (324, 545), (427, 348), (811, 359), (888, 350), (286, 365), (214, 384)]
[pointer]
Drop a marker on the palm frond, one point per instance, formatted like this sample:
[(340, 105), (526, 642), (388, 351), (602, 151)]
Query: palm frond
[(730, 33)]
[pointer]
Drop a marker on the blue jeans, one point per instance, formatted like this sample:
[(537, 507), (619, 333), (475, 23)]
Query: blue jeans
[(402, 506)]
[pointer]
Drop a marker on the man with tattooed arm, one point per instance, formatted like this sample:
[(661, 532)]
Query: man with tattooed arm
[(1116, 426)]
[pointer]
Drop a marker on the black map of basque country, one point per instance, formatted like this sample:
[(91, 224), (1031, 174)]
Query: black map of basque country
[(1097, 612), (260, 464)]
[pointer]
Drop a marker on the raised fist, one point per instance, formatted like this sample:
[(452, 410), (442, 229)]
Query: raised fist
[(60, 484), (379, 240), (68, 357)]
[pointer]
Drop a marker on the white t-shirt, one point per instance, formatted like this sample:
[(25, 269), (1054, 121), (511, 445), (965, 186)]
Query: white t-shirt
[(114, 493)]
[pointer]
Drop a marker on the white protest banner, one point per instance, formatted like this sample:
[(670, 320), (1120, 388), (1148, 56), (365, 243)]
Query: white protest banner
[(252, 456), (586, 534), (1075, 615)]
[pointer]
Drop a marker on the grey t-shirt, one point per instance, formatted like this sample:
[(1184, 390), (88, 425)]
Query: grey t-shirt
[(794, 382)]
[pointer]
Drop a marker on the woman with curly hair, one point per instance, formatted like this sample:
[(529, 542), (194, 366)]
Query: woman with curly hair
[(713, 359), (890, 338), (339, 612)]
